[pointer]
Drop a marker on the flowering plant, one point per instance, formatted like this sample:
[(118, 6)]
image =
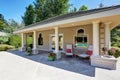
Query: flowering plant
[(51, 56), (112, 51)]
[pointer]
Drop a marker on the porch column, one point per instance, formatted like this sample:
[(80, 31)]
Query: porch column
[(107, 35), (58, 56), (23, 36), (35, 51), (96, 38)]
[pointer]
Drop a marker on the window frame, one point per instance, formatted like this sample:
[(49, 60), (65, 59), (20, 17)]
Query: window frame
[(84, 35)]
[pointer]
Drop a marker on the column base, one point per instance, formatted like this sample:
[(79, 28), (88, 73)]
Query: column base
[(34, 51), (58, 55), (22, 49)]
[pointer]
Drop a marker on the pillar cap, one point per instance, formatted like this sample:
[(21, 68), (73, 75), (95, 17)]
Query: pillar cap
[(108, 23), (96, 22), (56, 27)]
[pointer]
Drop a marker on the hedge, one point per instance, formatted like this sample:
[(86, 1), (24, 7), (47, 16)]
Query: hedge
[(4, 47), (15, 40)]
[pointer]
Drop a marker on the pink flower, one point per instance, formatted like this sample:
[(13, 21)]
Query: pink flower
[(112, 50)]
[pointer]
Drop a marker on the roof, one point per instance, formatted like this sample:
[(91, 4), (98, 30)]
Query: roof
[(72, 15)]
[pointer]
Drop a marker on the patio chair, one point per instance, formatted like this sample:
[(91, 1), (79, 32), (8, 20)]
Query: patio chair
[(87, 54), (69, 50)]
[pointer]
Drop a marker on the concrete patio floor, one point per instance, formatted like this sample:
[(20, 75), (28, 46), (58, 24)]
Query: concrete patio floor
[(15, 65)]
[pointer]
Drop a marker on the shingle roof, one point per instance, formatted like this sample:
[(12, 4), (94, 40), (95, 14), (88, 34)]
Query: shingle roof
[(72, 15)]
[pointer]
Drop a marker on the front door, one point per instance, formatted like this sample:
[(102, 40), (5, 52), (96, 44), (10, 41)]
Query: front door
[(52, 42)]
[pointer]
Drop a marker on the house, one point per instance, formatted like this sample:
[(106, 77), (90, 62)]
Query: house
[(3, 34), (90, 27), (3, 37)]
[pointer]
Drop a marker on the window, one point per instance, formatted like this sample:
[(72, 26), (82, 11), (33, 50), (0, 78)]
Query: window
[(40, 39), (81, 37)]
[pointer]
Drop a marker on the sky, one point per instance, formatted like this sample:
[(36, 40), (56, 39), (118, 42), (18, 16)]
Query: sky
[(14, 9)]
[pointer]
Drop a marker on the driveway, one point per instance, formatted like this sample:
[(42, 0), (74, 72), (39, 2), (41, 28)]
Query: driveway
[(17, 66), (14, 67)]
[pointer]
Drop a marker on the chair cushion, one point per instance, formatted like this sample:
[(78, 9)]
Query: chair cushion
[(89, 52), (68, 50)]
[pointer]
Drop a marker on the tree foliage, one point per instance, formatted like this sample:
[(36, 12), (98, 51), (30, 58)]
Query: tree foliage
[(115, 37), (83, 7), (14, 40), (29, 15), (12, 26), (48, 8), (3, 23), (73, 10)]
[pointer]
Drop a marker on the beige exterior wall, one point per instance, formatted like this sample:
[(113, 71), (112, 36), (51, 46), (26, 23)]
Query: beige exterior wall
[(68, 35), (46, 40)]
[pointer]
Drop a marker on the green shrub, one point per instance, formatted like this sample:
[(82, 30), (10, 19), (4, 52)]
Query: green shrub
[(29, 41), (3, 40), (116, 54), (4, 47), (15, 40)]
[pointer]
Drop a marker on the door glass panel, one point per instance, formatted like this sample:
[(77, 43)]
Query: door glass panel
[(53, 42), (60, 42)]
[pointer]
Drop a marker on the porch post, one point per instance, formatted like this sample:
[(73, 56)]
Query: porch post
[(107, 35), (56, 43), (35, 51), (23, 36), (96, 38)]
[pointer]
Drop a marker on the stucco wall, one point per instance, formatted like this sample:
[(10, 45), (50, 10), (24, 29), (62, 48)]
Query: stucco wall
[(68, 35)]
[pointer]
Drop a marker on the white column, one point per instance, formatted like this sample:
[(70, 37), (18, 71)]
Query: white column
[(23, 36), (57, 43), (107, 35), (96, 38), (35, 51)]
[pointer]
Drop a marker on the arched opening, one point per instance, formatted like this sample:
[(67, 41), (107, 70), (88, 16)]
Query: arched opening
[(40, 39), (81, 38), (80, 31)]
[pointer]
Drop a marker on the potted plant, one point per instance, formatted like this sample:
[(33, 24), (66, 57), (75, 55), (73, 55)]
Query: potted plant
[(51, 56), (104, 49), (29, 51)]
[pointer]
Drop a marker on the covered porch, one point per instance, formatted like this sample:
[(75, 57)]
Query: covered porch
[(55, 33), (55, 39)]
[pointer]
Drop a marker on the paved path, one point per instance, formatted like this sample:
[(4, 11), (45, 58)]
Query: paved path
[(13, 67), (16, 67)]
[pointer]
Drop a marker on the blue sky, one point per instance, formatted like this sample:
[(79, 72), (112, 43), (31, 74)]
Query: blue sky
[(14, 9)]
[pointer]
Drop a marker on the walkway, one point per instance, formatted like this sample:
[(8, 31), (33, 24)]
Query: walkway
[(15, 65)]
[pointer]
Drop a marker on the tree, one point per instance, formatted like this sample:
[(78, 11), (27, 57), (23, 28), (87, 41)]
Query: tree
[(83, 7), (3, 23), (48, 8), (12, 25), (101, 5), (60, 7), (73, 10), (29, 15), (1, 17), (115, 36)]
